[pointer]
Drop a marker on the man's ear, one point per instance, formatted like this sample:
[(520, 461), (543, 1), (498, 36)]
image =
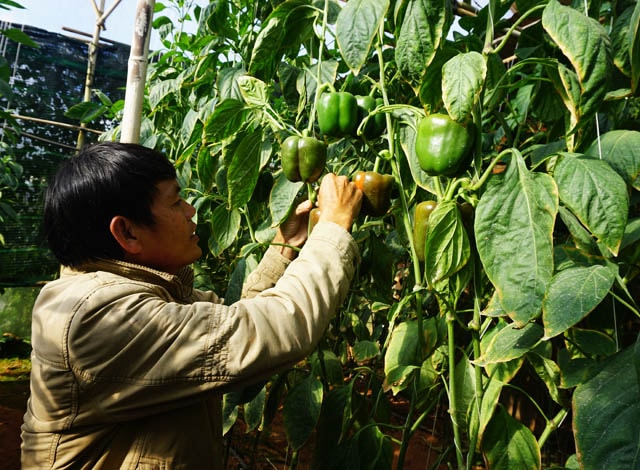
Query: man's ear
[(124, 232)]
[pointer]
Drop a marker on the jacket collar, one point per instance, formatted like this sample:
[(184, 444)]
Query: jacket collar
[(180, 285)]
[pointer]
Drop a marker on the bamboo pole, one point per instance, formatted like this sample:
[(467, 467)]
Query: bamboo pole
[(137, 72), (91, 68)]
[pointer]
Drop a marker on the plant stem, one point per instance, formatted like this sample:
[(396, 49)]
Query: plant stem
[(552, 425), (479, 389), (318, 68), (453, 405)]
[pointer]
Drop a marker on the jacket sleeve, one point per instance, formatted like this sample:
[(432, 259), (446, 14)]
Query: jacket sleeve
[(159, 353), (265, 276)]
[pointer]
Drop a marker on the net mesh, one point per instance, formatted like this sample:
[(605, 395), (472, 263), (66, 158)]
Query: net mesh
[(46, 82)]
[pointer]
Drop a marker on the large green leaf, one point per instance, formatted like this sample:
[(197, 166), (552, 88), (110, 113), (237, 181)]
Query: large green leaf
[(572, 294), (465, 378), (244, 168), (587, 46), (606, 412), (282, 198), (301, 410), (462, 78), (513, 227), (511, 343), (225, 225), (620, 35), (253, 410), (424, 27), (207, 167), (596, 194), (447, 244), (288, 26), (621, 148), (228, 118), (401, 359), (508, 444), (356, 28)]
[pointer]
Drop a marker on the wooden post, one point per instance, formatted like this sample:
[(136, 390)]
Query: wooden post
[(91, 68), (101, 16), (137, 72)]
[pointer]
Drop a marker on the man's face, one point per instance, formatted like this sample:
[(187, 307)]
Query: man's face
[(171, 243)]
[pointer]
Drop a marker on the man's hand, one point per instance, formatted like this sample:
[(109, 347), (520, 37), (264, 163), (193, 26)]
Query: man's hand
[(293, 231), (339, 200)]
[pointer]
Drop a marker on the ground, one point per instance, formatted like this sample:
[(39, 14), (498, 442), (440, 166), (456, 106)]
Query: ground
[(14, 390)]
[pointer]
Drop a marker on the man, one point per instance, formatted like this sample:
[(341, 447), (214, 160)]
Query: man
[(130, 362)]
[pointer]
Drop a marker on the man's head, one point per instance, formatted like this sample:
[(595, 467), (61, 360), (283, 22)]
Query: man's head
[(103, 181)]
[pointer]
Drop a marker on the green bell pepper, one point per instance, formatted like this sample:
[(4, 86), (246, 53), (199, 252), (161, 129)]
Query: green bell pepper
[(376, 124), (337, 114), (376, 189), (420, 224), (443, 146), (303, 158)]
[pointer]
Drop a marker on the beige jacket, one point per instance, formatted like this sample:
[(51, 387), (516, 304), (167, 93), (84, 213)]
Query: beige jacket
[(129, 364)]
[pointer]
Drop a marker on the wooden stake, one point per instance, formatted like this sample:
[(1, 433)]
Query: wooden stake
[(137, 72)]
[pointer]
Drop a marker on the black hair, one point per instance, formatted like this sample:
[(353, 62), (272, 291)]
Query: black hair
[(103, 180)]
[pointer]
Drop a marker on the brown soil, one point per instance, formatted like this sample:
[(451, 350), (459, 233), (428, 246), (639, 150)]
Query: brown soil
[(13, 404)]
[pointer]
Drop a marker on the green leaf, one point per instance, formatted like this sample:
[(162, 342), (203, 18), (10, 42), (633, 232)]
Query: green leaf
[(282, 198), (634, 48), (20, 37), (365, 350), (228, 118), (86, 111), (159, 90), (244, 168), (254, 410), (572, 294), (508, 444), (596, 194), (447, 245), (621, 149), (511, 343), (606, 414), (286, 28), (253, 91), (356, 28), (549, 372), (401, 358), (465, 378), (462, 79), (225, 225), (620, 35), (206, 167), (587, 46), (514, 235), (301, 410), (190, 123), (325, 364), (430, 92), (424, 27)]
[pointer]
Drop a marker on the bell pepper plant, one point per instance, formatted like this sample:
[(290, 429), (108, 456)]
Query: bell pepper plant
[(303, 158), (443, 146)]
